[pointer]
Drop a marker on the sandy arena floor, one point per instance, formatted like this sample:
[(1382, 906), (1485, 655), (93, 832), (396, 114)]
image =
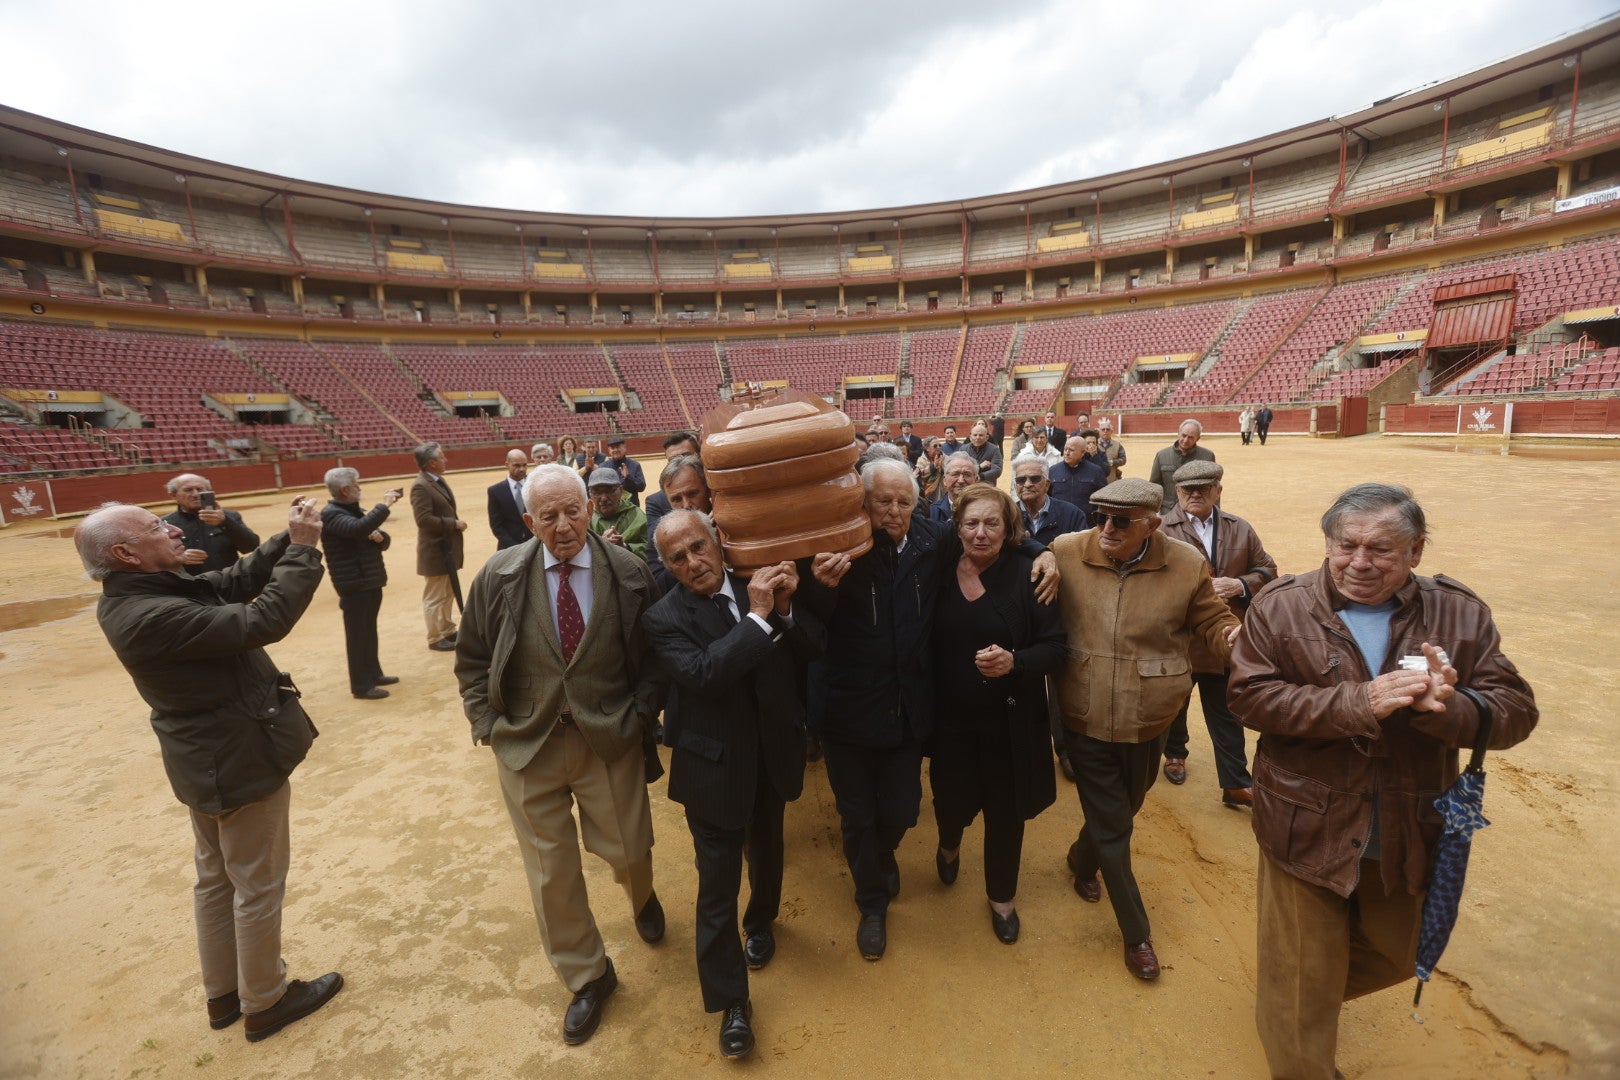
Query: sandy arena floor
[(407, 879)]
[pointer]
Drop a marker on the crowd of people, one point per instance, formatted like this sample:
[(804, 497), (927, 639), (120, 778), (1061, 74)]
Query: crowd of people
[(983, 633)]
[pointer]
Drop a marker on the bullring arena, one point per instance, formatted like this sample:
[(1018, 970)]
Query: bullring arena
[(1434, 302)]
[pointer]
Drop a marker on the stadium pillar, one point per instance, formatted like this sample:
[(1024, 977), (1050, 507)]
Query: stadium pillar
[(295, 285), (1566, 176), (379, 295), (455, 300), (202, 282), (1169, 264), (87, 266), (780, 311), (528, 304), (1439, 211), (1097, 276), (1248, 249), (1029, 283), (1341, 227), (900, 300), (841, 307)]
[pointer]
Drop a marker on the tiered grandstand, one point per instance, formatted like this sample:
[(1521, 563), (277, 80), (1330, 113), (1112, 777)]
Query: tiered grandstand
[(1457, 242)]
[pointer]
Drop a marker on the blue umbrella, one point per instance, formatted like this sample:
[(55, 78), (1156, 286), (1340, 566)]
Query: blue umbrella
[(1461, 807)]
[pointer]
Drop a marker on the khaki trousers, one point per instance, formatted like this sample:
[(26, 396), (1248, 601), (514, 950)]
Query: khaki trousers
[(242, 861), (615, 823), (437, 604), (1318, 950)]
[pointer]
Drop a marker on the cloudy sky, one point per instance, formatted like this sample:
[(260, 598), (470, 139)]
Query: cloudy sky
[(700, 107)]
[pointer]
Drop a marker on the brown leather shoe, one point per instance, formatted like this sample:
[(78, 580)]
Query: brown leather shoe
[(1088, 888), (300, 999), (1175, 770), (1238, 798), (1141, 960), (224, 1010)]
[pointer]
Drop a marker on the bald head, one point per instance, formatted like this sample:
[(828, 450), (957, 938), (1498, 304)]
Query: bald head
[(128, 538)]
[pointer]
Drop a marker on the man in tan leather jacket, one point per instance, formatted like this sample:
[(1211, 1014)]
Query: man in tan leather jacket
[(1133, 602), (1354, 749)]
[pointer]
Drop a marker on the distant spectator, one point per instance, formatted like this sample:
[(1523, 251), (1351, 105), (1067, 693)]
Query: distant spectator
[(355, 542), (213, 537), (629, 470), (438, 544), (1040, 449), (1174, 456), (1076, 477), (506, 503), (1111, 448), (986, 453), (909, 441), (542, 454)]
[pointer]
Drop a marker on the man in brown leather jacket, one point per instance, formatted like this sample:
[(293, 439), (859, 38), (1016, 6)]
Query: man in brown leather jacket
[(1354, 749)]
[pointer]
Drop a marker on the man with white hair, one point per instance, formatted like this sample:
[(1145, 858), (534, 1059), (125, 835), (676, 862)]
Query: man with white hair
[(555, 678), (230, 728), (541, 453), (1173, 457), (961, 470), (355, 542), (214, 536)]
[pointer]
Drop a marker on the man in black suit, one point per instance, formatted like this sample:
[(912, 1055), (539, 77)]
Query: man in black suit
[(1055, 436), (506, 503), (680, 444), (735, 724), (910, 442)]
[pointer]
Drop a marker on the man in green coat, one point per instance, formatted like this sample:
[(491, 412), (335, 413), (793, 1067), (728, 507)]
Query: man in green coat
[(613, 516), (230, 728)]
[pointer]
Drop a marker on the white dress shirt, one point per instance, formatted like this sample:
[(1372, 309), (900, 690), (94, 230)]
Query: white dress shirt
[(584, 591)]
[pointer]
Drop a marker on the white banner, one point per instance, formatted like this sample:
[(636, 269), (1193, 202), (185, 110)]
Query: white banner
[(1591, 198)]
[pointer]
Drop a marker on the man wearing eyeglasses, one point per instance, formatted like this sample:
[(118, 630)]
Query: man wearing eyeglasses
[(1134, 602), (230, 729), (1242, 568)]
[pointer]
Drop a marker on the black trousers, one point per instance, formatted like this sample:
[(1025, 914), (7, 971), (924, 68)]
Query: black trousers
[(1225, 732), (1263, 433), (722, 971), (360, 637), (984, 785), (878, 793), (1113, 779)]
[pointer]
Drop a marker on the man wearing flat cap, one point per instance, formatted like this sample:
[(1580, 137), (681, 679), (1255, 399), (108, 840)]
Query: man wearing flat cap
[(1134, 603), (631, 476), (1241, 568), (613, 516)]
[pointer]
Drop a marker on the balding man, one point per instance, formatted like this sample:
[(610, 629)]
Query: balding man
[(214, 537), (986, 453), (683, 485), (506, 503), (230, 729), (680, 444), (735, 725), (554, 677), (1173, 457)]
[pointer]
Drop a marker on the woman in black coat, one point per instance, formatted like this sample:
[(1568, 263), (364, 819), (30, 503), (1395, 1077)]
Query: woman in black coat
[(993, 648), (354, 543)]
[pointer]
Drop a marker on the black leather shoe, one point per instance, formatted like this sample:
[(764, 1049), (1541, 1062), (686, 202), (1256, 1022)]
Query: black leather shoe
[(301, 999), (948, 868), (224, 1010), (1175, 770), (871, 937), (650, 921), (891, 875), (1006, 929), (444, 644), (758, 949), (376, 693), (736, 1033), (584, 1013), (387, 680)]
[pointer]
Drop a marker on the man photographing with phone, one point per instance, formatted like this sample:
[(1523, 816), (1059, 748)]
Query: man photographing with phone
[(213, 537)]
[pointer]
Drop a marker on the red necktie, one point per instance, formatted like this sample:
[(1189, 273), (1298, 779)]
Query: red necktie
[(570, 620)]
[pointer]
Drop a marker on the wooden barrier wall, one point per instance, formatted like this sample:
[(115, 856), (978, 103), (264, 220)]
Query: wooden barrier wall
[(68, 495), (1489, 417)]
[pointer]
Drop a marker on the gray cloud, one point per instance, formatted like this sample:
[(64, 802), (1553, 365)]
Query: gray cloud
[(713, 108)]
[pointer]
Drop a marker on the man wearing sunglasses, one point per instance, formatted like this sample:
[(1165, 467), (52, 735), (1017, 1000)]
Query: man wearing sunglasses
[(230, 728), (1134, 602)]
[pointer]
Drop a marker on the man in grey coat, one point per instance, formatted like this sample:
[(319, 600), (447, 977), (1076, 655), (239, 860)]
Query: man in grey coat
[(554, 677), (230, 728)]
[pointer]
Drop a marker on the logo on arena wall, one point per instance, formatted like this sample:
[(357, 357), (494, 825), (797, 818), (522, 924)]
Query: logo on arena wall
[(25, 503), (1482, 419)]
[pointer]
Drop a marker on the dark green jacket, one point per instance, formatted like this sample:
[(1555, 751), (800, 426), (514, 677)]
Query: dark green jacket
[(194, 646)]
